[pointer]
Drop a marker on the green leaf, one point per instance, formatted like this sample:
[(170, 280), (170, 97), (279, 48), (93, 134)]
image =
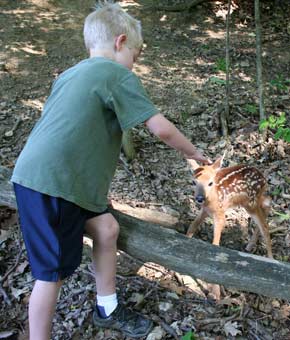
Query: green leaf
[(286, 135), (263, 124), (281, 120), (220, 65), (189, 336), (217, 80), (272, 121), (279, 133), (251, 108), (283, 217), (277, 191)]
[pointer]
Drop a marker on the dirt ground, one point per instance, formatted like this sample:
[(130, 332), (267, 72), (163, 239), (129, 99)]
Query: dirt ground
[(182, 68)]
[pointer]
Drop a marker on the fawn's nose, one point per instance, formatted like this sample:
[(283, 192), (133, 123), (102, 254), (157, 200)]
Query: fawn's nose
[(199, 199)]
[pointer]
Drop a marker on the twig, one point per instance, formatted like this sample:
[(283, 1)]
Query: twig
[(12, 268), (257, 328), (5, 296), (221, 321), (170, 330), (125, 165)]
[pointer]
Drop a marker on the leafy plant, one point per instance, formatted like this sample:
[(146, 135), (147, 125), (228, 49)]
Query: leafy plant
[(189, 336), (220, 65), (280, 83), (282, 216), (278, 124), (277, 191), (205, 47), (217, 80), (251, 108)]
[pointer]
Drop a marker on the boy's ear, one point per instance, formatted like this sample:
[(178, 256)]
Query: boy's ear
[(218, 163), (120, 41)]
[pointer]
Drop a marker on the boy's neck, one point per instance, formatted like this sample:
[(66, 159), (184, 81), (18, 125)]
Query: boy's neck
[(108, 53)]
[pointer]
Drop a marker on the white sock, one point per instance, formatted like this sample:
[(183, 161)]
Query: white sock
[(106, 304)]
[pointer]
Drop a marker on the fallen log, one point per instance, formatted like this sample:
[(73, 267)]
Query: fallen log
[(153, 243), (180, 7)]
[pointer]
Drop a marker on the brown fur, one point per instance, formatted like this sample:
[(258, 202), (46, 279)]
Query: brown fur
[(224, 188)]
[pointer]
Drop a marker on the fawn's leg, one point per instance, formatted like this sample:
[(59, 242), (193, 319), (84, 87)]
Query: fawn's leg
[(259, 216), (219, 220), (253, 241), (194, 226), (265, 203)]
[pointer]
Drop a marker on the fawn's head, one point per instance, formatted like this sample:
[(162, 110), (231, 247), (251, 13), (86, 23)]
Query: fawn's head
[(204, 179)]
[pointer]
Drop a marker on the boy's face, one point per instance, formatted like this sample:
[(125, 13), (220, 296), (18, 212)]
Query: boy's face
[(125, 55)]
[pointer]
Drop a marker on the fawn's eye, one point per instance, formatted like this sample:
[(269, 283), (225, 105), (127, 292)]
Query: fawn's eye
[(210, 184)]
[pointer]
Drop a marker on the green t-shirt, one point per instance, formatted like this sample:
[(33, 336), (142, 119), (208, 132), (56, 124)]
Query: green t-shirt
[(73, 150)]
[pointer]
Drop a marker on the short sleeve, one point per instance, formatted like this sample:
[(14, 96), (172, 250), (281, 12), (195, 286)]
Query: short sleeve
[(130, 102)]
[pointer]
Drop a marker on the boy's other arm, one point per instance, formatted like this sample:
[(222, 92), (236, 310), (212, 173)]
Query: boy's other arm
[(170, 135)]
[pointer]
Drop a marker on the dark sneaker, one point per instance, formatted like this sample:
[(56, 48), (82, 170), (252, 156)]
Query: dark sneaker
[(123, 319)]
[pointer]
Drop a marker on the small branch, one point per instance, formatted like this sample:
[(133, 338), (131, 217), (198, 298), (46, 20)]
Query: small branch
[(3, 279), (221, 321), (5, 296)]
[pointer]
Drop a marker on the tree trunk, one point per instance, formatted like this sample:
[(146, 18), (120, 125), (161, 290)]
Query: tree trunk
[(128, 145), (226, 112), (259, 60), (153, 243)]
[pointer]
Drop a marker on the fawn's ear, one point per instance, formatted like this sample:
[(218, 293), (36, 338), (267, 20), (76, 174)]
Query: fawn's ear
[(193, 164), (218, 163)]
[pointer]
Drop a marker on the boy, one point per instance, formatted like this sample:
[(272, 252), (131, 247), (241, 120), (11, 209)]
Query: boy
[(62, 176)]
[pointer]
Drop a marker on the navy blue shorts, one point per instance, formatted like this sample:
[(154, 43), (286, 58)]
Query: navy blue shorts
[(53, 230)]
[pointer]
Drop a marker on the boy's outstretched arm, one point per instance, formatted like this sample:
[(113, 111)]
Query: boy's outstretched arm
[(170, 135)]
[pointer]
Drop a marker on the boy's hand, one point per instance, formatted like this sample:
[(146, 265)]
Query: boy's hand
[(170, 135), (198, 156)]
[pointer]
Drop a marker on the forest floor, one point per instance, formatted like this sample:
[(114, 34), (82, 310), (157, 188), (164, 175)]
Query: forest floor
[(182, 68)]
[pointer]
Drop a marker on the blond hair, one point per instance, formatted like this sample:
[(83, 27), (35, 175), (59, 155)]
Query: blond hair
[(108, 21)]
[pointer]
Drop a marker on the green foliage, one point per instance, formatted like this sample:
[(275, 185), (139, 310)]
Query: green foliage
[(217, 80), (280, 83), (282, 216), (220, 65), (277, 191), (205, 47), (278, 124), (189, 336), (251, 108), (184, 116)]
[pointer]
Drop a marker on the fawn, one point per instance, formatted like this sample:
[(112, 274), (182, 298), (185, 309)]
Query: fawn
[(218, 189)]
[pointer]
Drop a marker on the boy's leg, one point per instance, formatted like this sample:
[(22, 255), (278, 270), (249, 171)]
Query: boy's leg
[(104, 230), (41, 309)]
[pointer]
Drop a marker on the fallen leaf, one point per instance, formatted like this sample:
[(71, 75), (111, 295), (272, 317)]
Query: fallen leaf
[(6, 334), (21, 268), (231, 328), (156, 334)]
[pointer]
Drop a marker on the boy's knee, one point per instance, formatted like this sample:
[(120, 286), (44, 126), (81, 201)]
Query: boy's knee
[(106, 231), (111, 231)]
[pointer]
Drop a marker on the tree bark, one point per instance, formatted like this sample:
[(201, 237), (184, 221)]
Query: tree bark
[(153, 243), (187, 5), (259, 59), (128, 145), (226, 113)]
